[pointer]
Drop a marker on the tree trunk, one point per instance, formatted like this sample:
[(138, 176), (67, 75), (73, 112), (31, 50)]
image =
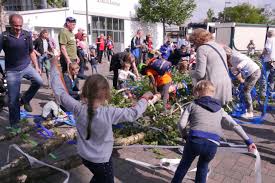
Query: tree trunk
[(164, 31), (38, 152)]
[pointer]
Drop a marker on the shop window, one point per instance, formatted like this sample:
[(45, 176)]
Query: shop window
[(108, 26), (121, 25), (101, 23), (109, 23), (110, 33), (95, 34), (115, 24), (95, 23), (116, 37), (122, 37)]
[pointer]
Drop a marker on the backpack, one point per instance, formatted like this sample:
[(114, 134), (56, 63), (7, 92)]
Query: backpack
[(5, 34), (161, 66)]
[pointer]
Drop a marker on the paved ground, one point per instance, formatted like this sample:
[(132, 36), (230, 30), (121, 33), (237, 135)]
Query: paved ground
[(226, 167)]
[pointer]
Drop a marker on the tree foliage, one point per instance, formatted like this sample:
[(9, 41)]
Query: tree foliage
[(243, 13), (210, 14), (56, 3), (165, 11)]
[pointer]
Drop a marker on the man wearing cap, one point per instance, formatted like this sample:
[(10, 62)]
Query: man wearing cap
[(19, 53), (67, 44)]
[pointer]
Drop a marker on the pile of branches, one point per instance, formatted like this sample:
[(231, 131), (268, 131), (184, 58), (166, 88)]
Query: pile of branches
[(156, 127)]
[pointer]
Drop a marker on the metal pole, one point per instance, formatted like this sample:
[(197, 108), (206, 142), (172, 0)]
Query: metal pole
[(87, 22)]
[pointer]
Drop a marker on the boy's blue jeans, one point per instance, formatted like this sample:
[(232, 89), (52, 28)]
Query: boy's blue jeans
[(14, 82), (195, 146)]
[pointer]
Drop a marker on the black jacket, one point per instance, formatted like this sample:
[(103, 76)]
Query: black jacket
[(38, 45), (117, 60), (176, 56)]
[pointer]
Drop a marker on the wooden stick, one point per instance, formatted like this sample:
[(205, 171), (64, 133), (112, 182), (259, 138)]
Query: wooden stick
[(133, 139)]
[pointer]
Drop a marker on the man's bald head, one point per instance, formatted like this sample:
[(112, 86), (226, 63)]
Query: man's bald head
[(16, 23), (14, 17)]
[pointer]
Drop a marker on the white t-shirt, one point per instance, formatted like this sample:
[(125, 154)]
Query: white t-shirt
[(45, 45), (123, 75), (270, 47)]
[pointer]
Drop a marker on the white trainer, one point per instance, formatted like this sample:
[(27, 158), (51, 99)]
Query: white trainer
[(247, 115)]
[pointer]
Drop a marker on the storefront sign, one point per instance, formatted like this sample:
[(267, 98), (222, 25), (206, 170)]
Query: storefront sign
[(112, 2)]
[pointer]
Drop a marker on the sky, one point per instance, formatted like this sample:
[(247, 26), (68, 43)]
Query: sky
[(218, 5)]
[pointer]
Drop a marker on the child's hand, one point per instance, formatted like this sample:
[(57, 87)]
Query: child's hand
[(148, 95), (156, 98), (252, 147)]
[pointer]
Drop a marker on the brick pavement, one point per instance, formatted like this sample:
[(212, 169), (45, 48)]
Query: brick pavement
[(225, 168)]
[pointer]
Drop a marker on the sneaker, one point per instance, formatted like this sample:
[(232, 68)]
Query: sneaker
[(247, 115), (28, 107)]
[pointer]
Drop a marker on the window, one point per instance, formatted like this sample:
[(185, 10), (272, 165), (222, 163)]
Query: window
[(101, 23), (116, 37), (95, 23), (95, 34), (122, 37), (110, 23), (110, 33), (115, 24), (109, 27), (121, 25)]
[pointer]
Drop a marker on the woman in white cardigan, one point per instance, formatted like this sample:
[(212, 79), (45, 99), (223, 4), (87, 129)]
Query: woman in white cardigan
[(211, 64)]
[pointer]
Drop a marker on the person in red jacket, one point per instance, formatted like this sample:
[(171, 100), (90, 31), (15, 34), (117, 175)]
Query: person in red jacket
[(100, 42)]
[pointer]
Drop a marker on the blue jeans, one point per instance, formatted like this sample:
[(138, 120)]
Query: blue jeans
[(201, 147), (268, 75), (14, 82), (42, 59)]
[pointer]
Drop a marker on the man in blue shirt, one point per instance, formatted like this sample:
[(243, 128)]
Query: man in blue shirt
[(18, 48)]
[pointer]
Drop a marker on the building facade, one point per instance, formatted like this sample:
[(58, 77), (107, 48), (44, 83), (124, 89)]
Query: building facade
[(116, 18)]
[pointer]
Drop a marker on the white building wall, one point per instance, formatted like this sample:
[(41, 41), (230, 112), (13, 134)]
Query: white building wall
[(54, 19), (45, 18), (155, 30), (119, 8)]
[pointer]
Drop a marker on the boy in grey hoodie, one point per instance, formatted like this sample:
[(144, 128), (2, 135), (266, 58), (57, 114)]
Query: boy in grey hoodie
[(205, 115)]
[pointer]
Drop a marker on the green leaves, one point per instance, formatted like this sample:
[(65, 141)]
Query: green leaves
[(14, 131), (244, 13), (26, 138), (210, 14), (165, 11)]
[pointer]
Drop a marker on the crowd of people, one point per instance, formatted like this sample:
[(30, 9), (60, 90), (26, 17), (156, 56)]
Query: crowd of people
[(209, 63)]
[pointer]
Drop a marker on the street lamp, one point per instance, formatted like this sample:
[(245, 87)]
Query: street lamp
[(87, 22), (225, 3)]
